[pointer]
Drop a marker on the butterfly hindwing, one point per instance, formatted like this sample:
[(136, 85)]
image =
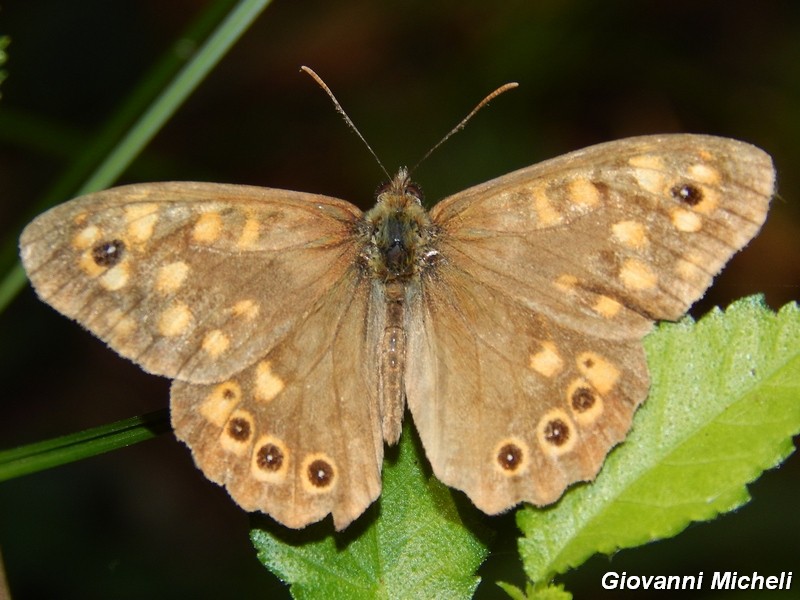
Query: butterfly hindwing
[(297, 434)]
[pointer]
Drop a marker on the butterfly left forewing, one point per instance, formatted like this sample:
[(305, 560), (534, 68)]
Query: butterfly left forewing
[(189, 280), (527, 329)]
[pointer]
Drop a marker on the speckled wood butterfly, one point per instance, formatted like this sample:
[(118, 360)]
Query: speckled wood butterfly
[(509, 316)]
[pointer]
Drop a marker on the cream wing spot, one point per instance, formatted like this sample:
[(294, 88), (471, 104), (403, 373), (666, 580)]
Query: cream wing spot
[(566, 283), (246, 309), (630, 233), (648, 170), (86, 237), (583, 192), (270, 459), (511, 457), (705, 174), (267, 385), (175, 320), (556, 433), (171, 277), (545, 211), (690, 269), (220, 403), (606, 307), (250, 233), (208, 228), (318, 473), (141, 220), (600, 372), (636, 275), (547, 361), (685, 220), (215, 343), (238, 432), (116, 277)]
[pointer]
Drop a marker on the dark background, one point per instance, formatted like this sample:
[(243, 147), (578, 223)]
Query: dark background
[(142, 522)]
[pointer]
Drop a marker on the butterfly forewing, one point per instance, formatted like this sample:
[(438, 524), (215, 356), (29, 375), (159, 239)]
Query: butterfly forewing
[(192, 281)]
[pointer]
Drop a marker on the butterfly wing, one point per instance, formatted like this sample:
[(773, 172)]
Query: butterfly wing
[(296, 435), (524, 357), (250, 299), (189, 280)]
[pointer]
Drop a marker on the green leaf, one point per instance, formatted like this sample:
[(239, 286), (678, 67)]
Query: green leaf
[(536, 592), (412, 543), (723, 406)]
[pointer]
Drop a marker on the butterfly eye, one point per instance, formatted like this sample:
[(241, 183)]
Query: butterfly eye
[(412, 189), (383, 188)]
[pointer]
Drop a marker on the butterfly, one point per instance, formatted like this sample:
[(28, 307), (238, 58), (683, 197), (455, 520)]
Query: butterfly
[(508, 318)]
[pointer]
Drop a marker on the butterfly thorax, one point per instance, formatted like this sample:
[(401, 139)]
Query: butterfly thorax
[(397, 231)]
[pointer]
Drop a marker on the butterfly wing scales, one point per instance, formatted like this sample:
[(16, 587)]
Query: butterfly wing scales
[(250, 299), (209, 278), (259, 432), (527, 333), (473, 354)]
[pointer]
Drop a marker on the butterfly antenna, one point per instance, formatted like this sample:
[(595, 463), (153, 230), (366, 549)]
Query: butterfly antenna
[(465, 120), (347, 120)]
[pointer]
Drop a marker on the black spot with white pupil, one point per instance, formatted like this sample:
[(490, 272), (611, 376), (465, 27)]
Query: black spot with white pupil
[(556, 432), (269, 457), (320, 473), (239, 429), (688, 194), (108, 254), (510, 457), (582, 399)]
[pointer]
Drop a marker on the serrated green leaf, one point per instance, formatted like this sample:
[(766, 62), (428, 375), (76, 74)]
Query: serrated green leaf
[(723, 407), (532, 592), (412, 544)]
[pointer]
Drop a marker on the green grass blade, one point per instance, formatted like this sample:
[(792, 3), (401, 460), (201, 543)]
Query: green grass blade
[(47, 454)]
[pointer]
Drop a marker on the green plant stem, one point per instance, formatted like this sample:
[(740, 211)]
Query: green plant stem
[(47, 454)]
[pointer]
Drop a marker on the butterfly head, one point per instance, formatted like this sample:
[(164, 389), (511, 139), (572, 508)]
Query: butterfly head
[(400, 190), (397, 230)]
